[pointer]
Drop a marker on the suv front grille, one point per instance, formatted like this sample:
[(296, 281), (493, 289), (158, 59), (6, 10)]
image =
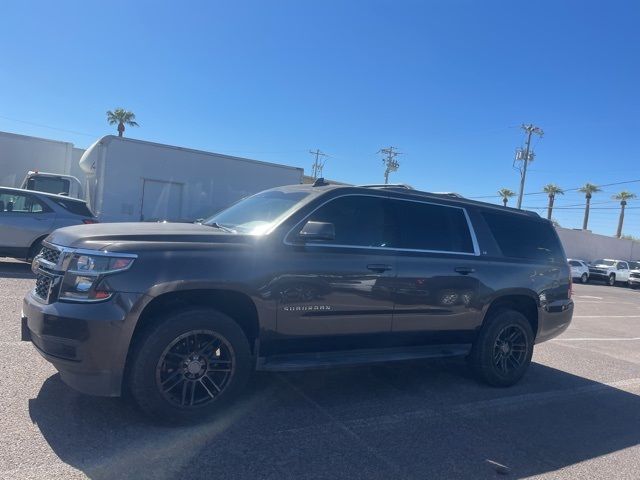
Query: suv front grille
[(43, 286), (50, 254), (635, 275)]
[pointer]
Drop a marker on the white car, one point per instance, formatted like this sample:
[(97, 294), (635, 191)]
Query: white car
[(634, 274), (610, 270), (579, 269)]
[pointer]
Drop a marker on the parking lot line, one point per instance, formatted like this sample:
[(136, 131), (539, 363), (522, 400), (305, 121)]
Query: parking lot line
[(596, 339), (606, 316)]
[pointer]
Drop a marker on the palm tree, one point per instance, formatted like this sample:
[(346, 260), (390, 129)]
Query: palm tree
[(552, 190), (506, 194), (121, 117), (588, 189), (623, 197)]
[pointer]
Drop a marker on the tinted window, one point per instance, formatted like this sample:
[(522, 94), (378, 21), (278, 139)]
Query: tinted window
[(573, 263), (522, 237), (622, 266), (79, 208), (601, 261), (634, 265), (11, 202), (49, 184), (425, 226), (358, 220)]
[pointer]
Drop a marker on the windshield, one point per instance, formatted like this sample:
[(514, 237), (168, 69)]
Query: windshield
[(256, 214), (601, 261), (634, 265)]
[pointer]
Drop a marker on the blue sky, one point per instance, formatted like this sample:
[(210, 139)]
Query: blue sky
[(446, 82)]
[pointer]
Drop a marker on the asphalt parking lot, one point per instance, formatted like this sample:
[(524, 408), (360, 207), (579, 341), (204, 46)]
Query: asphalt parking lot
[(575, 415)]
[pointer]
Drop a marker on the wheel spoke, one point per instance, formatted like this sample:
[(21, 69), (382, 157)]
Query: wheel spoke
[(215, 385), (172, 381), (209, 392)]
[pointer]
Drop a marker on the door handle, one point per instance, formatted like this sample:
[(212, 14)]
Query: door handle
[(378, 267), (464, 270)]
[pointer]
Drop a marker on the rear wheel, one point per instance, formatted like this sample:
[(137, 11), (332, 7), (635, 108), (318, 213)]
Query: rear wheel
[(188, 365), (611, 281), (584, 278), (502, 352)]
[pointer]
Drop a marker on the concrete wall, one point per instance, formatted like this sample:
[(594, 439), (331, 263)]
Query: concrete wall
[(589, 246)]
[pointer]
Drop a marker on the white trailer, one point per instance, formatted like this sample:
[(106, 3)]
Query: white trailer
[(132, 180), (20, 154)]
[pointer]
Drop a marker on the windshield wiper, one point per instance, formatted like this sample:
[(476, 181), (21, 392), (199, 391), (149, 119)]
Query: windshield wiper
[(220, 227)]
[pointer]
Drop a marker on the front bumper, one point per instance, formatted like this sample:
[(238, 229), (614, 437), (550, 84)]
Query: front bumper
[(554, 319), (598, 276), (86, 342)]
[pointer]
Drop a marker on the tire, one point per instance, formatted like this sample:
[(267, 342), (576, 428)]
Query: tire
[(612, 280), (501, 366), (584, 278), (189, 365)]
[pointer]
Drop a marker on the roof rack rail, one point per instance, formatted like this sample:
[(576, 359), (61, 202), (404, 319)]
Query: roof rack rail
[(388, 185)]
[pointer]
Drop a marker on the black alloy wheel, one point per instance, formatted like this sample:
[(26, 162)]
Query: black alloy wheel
[(510, 349), (195, 368)]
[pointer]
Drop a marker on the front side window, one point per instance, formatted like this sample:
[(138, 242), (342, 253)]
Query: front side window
[(623, 266), (17, 203), (358, 221), (425, 226)]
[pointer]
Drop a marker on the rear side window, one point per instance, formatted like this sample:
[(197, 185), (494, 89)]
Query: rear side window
[(79, 208), (18, 203), (522, 237), (426, 226)]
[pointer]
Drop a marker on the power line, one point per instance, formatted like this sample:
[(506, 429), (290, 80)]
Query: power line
[(526, 156), (49, 127), (390, 161), (318, 164)]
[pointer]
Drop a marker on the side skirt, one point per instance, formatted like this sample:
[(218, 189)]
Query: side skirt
[(317, 360)]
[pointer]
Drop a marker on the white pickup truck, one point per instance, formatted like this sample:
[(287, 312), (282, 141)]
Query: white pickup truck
[(609, 270)]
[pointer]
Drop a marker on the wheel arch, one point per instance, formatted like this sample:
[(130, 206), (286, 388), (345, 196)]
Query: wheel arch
[(525, 303)]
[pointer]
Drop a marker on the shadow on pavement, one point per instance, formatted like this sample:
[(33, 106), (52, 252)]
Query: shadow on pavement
[(9, 269), (412, 420)]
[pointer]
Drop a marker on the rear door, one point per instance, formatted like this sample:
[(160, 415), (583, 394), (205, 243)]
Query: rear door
[(23, 218), (335, 294), (161, 200), (622, 272), (436, 288)]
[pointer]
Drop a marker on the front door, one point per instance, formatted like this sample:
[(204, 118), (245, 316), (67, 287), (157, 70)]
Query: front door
[(436, 294), (335, 294)]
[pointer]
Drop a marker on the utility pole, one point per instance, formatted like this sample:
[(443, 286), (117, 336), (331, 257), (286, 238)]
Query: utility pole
[(318, 164), (390, 161), (526, 156)]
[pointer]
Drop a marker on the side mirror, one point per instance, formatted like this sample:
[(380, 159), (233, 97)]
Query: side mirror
[(317, 231)]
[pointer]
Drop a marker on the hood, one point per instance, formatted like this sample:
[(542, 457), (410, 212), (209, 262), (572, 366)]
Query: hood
[(98, 236)]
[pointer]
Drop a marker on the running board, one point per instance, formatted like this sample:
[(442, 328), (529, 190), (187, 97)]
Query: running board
[(306, 361)]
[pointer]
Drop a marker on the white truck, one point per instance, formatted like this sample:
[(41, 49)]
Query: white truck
[(132, 180), (609, 270), (21, 155)]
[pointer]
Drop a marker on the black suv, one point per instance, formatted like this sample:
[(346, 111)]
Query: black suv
[(296, 277)]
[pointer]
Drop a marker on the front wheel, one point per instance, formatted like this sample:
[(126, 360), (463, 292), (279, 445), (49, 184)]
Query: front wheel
[(188, 365), (612, 280), (584, 278), (502, 352)]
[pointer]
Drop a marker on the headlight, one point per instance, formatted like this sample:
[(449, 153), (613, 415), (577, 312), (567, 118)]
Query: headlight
[(84, 272)]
